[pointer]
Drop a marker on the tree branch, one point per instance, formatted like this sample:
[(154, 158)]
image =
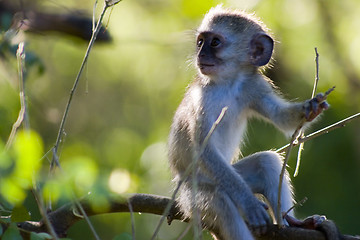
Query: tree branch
[(64, 217), (31, 18), (327, 129)]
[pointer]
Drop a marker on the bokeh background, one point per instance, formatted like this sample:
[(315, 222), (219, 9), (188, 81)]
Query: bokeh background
[(115, 137)]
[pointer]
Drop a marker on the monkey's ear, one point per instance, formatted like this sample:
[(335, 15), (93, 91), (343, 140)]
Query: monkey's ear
[(261, 48)]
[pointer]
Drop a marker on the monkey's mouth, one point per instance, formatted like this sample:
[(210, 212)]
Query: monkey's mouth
[(205, 65), (207, 68)]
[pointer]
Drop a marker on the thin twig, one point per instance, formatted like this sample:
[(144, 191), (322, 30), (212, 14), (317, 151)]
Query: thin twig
[(55, 158), (168, 207), (94, 13), (316, 73), (283, 169), (189, 170), (132, 219), (302, 132), (186, 230), (322, 131), (300, 203), (196, 213), (22, 117), (196, 210), (108, 21), (72, 92), (84, 215), (294, 138), (43, 213)]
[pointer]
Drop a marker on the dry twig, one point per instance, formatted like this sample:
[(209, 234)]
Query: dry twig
[(294, 138), (22, 117), (322, 131), (302, 132), (55, 161)]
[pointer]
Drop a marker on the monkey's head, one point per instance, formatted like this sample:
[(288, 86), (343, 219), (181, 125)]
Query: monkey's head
[(230, 42)]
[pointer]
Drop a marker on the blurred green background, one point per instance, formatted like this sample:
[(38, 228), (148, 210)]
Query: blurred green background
[(115, 137)]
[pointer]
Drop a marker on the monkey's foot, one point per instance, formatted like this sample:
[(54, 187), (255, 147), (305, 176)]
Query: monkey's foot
[(316, 222), (312, 222)]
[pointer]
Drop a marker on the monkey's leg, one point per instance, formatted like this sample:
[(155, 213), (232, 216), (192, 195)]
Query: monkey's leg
[(217, 210), (261, 171), (227, 218)]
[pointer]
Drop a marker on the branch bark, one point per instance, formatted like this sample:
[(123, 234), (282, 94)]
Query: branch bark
[(64, 217), (73, 23)]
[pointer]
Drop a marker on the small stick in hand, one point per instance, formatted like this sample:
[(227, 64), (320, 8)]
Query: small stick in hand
[(316, 105)]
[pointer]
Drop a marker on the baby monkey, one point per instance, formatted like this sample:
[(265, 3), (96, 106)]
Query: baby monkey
[(231, 47)]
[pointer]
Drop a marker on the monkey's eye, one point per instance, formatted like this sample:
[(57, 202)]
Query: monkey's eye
[(215, 42), (200, 42)]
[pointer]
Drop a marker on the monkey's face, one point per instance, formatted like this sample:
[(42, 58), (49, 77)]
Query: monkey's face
[(209, 46), (221, 54), (231, 43)]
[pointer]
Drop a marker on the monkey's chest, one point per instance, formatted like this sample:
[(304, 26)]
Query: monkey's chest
[(228, 137), (228, 133), (230, 127)]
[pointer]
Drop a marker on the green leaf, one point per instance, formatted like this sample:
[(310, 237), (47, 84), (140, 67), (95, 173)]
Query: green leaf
[(28, 148), (26, 153), (12, 233), (11, 191), (20, 214)]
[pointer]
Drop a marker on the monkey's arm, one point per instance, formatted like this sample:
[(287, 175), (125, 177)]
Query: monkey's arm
[(289, 115)]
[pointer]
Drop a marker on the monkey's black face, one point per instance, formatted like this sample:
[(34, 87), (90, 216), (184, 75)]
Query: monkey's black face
[(208, 46)]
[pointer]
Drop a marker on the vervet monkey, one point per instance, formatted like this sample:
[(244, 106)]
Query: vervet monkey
[(231, 48)]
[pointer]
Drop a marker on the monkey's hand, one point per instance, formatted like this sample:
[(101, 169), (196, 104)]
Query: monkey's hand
[(316, 105), (256, 215)]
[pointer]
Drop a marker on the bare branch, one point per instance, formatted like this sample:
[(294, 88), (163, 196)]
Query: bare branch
[(294, 138), (85, 216), (76, 82), (64, 217), (282, 174), (302, 133), (42, 210), (132, 221), (322, 131), (35, 19), (316, 73), (22, 117)]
